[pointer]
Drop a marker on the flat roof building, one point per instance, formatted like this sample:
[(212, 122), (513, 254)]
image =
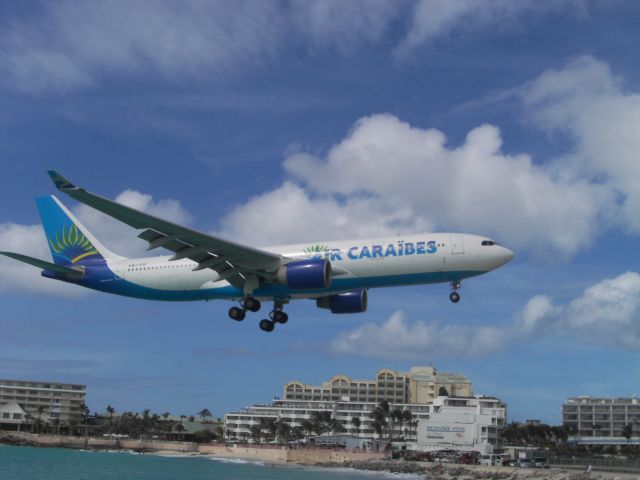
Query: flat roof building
[(421, 395), (45, 400), (600, 420), (421, 385), (468, 424)]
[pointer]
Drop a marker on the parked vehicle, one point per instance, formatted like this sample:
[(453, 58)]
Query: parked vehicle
[(525, 463), (491, 459), (541, 462)]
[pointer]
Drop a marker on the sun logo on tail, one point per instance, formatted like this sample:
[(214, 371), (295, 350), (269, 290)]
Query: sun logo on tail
[(72, 245)]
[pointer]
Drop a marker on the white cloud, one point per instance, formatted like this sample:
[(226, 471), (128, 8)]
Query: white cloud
[(120, 238), (399, 339), (585, 100), (289, 214), (388, 177), (65, 46), (14, 275), (607, 313), (434, 19), (342, 25), (69, 45)]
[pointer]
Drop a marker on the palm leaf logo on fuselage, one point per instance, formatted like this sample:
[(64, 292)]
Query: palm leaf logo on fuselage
[(72, 245), (318, 251)]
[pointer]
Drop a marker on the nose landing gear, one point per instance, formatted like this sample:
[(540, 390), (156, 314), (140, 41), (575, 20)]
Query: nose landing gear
[(454, 296)]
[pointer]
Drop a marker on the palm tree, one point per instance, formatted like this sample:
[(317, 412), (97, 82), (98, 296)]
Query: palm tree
[(397, 416), (204, 413), (321, 421), (382, 416), (283, 431), (180, 429), (307, 427), (336, 426), (84, 411), (110, 412), (356, 422), (256, 433), (407, 417), (26, 419)]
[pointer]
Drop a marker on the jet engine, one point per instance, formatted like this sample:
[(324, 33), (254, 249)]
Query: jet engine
[(348, 302), (310, 274)]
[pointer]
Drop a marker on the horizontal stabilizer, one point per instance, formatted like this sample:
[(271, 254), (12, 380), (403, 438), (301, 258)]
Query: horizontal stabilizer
[(74, 273)]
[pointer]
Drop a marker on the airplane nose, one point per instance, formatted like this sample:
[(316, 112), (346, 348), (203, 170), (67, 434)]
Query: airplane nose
[(505, 255)]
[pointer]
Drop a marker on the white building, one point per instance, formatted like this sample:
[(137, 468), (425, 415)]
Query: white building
[(44, 400), (468, 424), (602, 421), (462, 423), (294, 412)]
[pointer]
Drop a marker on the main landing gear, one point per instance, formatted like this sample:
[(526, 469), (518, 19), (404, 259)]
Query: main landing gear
[(238, 313), (277, 315), (454, 296)]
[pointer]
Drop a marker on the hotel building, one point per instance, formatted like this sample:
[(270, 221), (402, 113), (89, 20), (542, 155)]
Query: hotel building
[(46, 400), (596, 420), (421, 385), (440, 400)]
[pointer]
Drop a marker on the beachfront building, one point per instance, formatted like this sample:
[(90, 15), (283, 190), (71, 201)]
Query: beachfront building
[(421, 385), (602, 421), (22, 400), (297, 414), (468, 424), (461, 423), (415, 398)]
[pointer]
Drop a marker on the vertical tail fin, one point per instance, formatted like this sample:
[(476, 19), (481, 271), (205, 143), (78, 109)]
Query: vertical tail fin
[(70, 241)]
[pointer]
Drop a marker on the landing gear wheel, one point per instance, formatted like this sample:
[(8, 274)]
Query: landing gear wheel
[(454, 297), (266, 325), (251, 304), (236, 313), (280, 317)]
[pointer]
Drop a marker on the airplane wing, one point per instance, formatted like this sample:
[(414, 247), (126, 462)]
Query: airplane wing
[(234, 262), (73, 273)]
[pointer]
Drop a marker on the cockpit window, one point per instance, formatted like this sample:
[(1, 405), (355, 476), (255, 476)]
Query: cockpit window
[(487, 243)]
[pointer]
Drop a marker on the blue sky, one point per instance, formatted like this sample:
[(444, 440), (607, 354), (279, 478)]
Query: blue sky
[(277, 122)]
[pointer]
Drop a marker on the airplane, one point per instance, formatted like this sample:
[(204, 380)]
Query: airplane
[(337, 275)]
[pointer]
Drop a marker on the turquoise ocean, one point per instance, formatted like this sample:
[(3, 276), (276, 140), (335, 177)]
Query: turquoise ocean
[(30, 463)]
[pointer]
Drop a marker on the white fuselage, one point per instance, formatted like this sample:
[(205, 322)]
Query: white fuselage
[(366, 263)]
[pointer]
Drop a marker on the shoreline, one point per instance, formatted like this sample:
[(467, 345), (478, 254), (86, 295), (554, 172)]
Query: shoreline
[(321, 458)]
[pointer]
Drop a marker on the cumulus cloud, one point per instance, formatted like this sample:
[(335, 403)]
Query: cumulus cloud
[(296, 216), (29, 240), (388, 177), (121, 239), (400, 339), (607, 313), (587, 101)]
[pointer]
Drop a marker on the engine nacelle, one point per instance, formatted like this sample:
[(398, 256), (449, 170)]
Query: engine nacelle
[(310, 274), (348, 302)]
